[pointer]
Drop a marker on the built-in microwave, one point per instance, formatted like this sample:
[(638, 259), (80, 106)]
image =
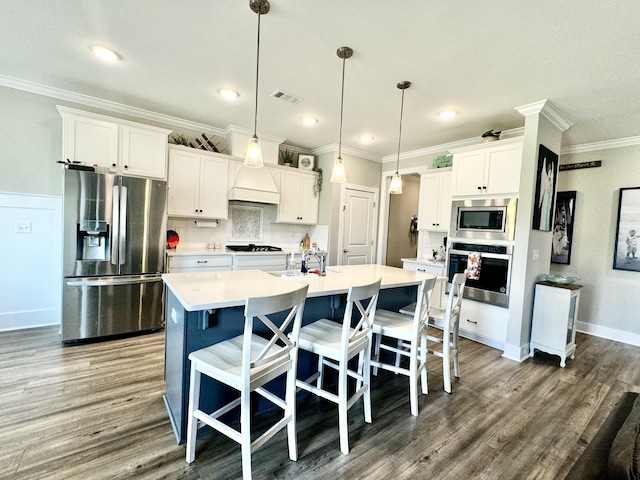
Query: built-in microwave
[(486, 219)]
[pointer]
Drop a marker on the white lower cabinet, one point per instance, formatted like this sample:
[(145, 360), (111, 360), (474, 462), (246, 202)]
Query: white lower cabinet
[(266, 262), (199, 263), (437, 299), (484, 323)]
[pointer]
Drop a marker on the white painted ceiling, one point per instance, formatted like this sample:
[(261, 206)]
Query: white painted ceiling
[(479, 58)]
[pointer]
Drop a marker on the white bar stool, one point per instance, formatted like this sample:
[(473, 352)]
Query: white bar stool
[(410, 334), (335, 344), (246, 363)]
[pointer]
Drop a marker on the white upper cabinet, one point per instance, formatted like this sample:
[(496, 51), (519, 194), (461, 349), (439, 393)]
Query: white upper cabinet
[(298, 204), (434, 208), (117, 145), (488, 169), (198, 184)]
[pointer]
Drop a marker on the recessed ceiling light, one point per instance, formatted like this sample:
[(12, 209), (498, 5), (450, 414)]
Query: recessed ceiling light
[(228, 93), (105, 54), (447, 114), (309, 120), (366, 138)]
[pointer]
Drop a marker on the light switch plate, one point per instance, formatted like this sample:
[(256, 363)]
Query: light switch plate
[(23, 227), (536, 255)]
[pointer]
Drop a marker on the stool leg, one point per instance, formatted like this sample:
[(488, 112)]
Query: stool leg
[(413, 380), (342, 407), (376, 352), (291, 410), (446, 366), (245, 432), (194, 404), (320, 371), (423, 363), (366, 373)]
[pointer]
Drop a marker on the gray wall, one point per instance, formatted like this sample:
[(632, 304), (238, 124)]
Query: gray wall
[(609, 299)]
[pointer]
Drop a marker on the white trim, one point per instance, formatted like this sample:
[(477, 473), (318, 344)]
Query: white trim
[(549, 111), (333, 148), (605, 145), (95, 102), (519, 354), (609, 333)]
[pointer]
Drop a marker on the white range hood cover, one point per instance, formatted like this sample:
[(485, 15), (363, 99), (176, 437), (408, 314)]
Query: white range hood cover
[(255, 185)]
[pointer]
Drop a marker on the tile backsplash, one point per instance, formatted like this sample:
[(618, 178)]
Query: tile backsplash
[(254, 223)]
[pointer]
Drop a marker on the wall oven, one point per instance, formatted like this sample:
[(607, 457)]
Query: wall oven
[(486, 219), (490, 269)]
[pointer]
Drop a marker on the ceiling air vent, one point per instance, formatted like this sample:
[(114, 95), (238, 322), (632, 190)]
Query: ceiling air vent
[(286, 96)]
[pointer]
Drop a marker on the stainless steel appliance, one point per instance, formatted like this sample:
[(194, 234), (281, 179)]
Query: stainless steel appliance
[(488, 219), (253, 248), (113, 254), (492, 283)]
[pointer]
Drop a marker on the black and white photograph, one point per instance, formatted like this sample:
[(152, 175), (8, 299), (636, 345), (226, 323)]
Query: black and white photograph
[(627, 230), (562, 239), (547, 173)]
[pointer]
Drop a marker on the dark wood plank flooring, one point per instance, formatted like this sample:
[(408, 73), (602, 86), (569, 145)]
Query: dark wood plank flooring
[(95, 411)]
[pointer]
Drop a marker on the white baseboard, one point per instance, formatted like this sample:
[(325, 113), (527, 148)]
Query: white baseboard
[(513, 352), (28, 319), (609, 333)]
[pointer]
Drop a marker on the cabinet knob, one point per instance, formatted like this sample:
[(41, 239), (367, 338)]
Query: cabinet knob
[(126, 166), (113, 165), (479, 187)]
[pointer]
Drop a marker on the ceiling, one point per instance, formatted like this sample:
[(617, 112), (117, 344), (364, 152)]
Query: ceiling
[(481, 59)]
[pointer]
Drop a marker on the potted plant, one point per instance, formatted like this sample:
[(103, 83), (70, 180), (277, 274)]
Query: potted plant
[(287, 157)]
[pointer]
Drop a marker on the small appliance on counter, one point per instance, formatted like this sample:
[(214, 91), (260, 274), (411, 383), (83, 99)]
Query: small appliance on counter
[(253, 248)]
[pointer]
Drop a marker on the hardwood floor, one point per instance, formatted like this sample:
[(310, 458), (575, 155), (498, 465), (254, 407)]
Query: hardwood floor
[(95, 411)]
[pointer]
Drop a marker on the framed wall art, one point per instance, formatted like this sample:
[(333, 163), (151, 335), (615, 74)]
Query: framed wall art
[(562, 239), (628, 230), (306, 162), (545, 189)]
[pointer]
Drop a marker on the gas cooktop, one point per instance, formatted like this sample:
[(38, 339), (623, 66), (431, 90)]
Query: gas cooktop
[(253, 248)]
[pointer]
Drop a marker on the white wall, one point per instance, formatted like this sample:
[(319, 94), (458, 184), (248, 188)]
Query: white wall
[(609, 299), (30, 284)]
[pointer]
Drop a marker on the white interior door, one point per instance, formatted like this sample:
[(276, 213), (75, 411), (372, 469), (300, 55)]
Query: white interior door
[(358, 227)]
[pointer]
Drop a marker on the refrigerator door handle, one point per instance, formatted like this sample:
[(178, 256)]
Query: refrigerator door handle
[(102, 281), (115, 224), (122, 237)]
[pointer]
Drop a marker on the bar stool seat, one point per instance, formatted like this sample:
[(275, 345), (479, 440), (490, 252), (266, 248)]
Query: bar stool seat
[(246, 363)]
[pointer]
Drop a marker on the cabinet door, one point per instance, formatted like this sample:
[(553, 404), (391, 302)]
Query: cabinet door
[(428, 208), (468, 173), (183, 183), (214, 185), (144, 152), (90, 141), (290, 191), (444, 202), (308, 201), (502, 165)]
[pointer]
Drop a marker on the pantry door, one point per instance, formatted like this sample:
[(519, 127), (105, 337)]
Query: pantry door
[(358, 225)]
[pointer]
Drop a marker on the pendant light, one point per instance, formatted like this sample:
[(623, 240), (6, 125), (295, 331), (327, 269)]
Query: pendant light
[(338, 175), (396, 181), (253, 156)]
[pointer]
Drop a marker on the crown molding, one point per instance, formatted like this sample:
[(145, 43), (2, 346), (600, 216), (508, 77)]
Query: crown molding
[(549, 111), (334, 147), (115, 107), (445, 147), (605, 145)]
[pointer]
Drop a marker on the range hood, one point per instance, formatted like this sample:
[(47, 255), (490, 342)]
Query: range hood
[(254, 185)]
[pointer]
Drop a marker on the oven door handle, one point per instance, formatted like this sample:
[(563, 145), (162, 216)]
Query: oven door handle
[(501, 256)]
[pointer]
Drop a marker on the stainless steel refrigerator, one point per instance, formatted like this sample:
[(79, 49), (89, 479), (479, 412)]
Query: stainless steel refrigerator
[(113, 254)]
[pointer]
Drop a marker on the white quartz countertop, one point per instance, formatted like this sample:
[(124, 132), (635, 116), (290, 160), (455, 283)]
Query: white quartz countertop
[(177, 252), (425, 260), (206, 290)]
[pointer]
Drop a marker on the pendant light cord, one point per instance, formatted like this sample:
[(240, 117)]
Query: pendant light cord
[(255, 118), (341, 109), (400, 132)]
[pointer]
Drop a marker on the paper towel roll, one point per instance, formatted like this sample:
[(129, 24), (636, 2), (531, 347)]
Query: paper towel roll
[(206, 223)]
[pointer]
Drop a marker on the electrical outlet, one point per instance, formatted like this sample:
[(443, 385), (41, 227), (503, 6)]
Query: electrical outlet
[(23, 227), (536, 255)]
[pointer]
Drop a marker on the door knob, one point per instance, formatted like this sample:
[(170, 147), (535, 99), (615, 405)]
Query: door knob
[(345, 250)]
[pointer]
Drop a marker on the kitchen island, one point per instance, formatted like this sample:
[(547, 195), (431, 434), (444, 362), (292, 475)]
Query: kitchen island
[(208, 307)]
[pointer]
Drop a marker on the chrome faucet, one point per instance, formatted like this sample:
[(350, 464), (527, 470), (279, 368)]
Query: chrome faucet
[(320, 256)]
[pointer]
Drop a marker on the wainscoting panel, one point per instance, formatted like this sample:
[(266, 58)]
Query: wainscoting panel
[(31, 233)]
